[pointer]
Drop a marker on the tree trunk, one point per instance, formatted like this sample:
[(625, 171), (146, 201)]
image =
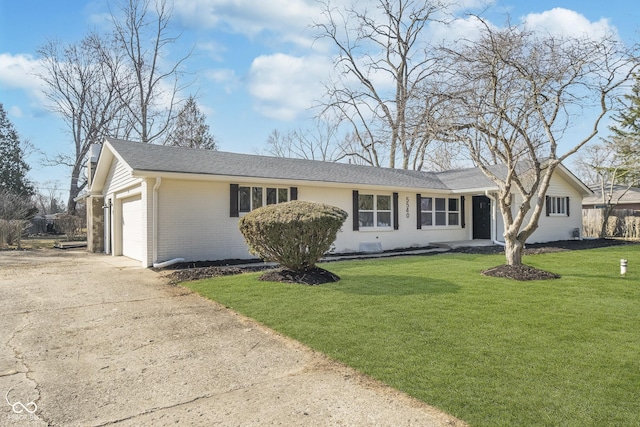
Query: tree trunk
[(606, 213), (513, 251), (74, 190)]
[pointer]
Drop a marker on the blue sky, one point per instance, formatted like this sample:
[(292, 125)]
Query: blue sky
[(255, 65)]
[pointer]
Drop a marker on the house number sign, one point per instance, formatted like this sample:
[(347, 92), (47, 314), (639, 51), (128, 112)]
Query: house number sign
[(407, 206)]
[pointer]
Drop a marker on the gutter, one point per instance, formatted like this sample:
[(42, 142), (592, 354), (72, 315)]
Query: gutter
[(167, 263), (155, 219)]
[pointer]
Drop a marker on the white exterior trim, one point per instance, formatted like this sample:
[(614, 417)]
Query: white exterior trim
[(188, 215)]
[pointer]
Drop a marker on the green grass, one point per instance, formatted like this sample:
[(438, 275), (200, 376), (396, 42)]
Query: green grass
[(493, 352)]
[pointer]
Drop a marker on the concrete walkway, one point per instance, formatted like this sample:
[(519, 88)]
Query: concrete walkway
[(92, 340)]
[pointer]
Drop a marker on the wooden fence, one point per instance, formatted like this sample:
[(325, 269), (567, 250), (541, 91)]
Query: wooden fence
[(622, 223)]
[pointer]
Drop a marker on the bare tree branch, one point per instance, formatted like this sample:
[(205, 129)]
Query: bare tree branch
[(516, 93), (383, 62)]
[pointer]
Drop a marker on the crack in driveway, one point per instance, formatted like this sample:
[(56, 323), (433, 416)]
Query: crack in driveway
[(168, 355)]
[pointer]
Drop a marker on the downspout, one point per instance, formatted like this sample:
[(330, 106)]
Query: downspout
[(155, 219), (494, 222), (157, 264)]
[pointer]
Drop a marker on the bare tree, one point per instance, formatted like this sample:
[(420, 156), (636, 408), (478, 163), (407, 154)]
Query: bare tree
[(322, 142), (88, 93), (142, 33), (611, 172), (516, 94), (48, 198), (383, 62)]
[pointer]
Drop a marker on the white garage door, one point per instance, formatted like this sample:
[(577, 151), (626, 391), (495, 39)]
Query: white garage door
[(132, 228)]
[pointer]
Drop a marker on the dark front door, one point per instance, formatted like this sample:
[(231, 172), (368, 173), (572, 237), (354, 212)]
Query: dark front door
[(481, 217)]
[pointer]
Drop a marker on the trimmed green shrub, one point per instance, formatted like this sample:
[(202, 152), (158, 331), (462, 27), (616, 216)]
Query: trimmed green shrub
[(294, 234)]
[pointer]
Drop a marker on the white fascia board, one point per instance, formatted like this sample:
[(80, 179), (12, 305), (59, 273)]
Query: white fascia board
[(479, 190), (281, 181)]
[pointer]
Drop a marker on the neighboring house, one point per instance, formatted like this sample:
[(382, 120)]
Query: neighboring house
[(155, 203), (623, 197)]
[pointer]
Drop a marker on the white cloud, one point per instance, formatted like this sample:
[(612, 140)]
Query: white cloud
[(467, 28), (225, 77), (16, 111), (18, 71), (288, 18), (557, 22), (285, 86), (565, 22), (213, 49)]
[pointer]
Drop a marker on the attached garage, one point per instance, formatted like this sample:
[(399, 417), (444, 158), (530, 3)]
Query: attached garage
[(132, 227), (166, 203)]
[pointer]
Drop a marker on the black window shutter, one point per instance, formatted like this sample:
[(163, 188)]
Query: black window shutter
[(293, 193), (396, 222), (356, 224), (568, 206), (233, 201), (419, 211), (546, 199), (462, 219)]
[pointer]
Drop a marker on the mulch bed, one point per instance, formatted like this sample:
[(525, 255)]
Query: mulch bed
[(525, 272), (315, 276), (519, 272), (205, 269), (186, 274)]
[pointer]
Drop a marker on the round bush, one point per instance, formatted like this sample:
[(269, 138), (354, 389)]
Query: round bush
[(294, 234)]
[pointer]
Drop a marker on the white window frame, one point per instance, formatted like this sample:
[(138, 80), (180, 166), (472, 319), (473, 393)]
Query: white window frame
[(376, 211), (557, 206), (253, 189), (446, 211)]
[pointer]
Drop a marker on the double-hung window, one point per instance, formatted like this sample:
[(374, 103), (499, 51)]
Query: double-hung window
[(277, 195), (558, 206), (439, 211), (374, 210), (250, 198), (426, 211), (454, 211)]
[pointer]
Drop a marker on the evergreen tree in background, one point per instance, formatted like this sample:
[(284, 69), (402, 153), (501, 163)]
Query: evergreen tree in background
[(13, 168), (624, 140), (190, 129)]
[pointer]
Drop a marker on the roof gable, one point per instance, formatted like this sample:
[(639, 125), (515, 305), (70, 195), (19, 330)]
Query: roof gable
[(162, 159)]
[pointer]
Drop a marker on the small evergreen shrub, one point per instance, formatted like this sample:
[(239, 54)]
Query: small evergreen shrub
[(295, 234)]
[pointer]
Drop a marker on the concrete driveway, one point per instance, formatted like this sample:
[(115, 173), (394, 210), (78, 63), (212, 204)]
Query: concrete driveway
[(92, 340)]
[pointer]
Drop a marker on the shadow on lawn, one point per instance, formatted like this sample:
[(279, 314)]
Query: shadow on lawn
[(395, 286)]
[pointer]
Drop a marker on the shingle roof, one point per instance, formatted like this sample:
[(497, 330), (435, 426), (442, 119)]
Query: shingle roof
[(621, 195), (158, 158), (465, 179)]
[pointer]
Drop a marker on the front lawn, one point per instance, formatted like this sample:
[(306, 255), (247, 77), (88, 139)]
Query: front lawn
[(493, 352)]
